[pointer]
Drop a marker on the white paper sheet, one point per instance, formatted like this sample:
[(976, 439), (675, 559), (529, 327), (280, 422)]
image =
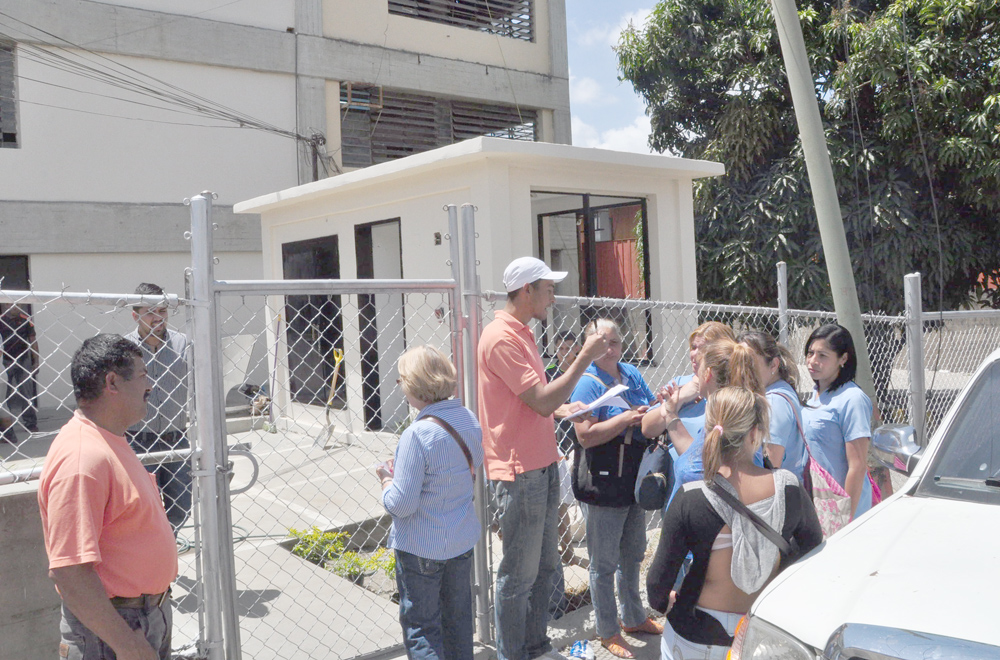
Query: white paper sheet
[(609, 398)]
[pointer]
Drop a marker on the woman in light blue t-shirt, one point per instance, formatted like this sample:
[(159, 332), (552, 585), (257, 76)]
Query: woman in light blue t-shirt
[(777, 371), (688, 403), (838, 417)]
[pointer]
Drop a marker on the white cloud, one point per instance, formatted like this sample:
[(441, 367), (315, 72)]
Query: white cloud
[(636, 18), (609, 33), (584, 91), (632, 137)]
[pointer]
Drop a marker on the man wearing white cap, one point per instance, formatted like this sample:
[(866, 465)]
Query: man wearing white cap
[(516, 407)]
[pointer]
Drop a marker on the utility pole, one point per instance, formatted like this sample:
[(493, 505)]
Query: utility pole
[(824, 191)]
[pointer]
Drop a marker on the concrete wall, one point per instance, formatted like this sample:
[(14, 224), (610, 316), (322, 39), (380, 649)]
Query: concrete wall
[(272, 14), (344, 19), (29, 604), (69, 154)]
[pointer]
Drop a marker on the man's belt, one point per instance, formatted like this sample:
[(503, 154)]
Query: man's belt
[(143, 602)]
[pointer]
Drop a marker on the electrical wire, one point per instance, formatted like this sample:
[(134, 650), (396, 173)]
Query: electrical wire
[(858, 135), (106, 96), (930, 185), (111, 116), (121, 76), (503, 58)]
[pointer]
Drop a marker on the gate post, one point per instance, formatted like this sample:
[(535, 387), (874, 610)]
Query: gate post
[(455, 301), (915, 350), (471, 292), (222, 640)]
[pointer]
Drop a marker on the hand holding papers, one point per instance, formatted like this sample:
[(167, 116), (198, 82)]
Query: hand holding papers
[(609, 398)]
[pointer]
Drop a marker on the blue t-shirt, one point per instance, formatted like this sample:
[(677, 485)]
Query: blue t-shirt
[(688, 466), (831, 420), (784, 429), (588, 390), (692, 414)]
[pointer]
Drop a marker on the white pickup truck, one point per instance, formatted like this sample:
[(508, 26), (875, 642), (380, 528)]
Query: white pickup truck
[(918, 577)]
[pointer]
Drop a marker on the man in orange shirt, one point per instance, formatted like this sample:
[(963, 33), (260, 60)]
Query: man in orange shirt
[(111, 549), (516, 406)]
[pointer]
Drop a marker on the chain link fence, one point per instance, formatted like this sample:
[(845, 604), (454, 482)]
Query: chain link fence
[(41, 331), (655, 340), (310, 401), (312, 405), (954, 344)]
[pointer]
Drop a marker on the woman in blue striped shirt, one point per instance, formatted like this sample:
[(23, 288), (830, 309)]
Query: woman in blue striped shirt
[(427, 489)]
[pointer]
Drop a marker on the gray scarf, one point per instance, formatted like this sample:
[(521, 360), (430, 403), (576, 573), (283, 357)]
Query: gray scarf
[(754, 557)]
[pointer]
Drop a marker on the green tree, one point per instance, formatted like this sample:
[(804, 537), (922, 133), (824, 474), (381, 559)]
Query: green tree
[(895, 80)]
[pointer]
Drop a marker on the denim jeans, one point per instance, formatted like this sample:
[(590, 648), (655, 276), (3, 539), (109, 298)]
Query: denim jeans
[(79, 643), (174, 479), (528, 512), (616, 543), (22, 390), (435, 606)]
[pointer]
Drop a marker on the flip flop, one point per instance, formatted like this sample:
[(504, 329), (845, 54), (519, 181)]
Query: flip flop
[(617, 646), (648, 626)]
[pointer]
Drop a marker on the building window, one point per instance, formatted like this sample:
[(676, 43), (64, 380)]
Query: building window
[(507, 18), (379, 125), (8, 97)]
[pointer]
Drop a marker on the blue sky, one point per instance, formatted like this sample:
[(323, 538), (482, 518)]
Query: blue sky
[(606, 113)]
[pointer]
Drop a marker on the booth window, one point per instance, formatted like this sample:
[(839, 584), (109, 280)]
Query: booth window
[(379, 125), (8, 97), (507, 18)]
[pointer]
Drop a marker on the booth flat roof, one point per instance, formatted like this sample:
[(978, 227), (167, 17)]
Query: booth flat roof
[(481, 148)]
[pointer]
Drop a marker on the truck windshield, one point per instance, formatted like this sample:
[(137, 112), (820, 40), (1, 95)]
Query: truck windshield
[(968, 464)]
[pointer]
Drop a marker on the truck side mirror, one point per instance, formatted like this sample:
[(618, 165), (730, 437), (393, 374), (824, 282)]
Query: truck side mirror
[(894, 447)]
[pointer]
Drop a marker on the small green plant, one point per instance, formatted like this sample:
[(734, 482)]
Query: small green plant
[(318, 546), (351, 565), (385, 560), (328, 549)]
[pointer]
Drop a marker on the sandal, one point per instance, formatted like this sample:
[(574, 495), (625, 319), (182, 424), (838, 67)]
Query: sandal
[(617, 646), (648, 626)]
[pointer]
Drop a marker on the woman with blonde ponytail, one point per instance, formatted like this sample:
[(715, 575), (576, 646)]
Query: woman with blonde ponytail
[(721, 363), (733, 559)]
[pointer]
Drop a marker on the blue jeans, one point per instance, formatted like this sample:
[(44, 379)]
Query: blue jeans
[(174, 479), (528, 512), (435, 606), (79, 643), (616, 543)]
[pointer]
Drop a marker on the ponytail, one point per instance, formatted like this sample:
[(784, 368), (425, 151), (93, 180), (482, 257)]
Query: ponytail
[(743, 370), (765, 346), (732, 414), (732, 364)]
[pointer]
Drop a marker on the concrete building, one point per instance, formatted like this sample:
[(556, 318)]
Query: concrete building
[(111, 113), (586, 211)]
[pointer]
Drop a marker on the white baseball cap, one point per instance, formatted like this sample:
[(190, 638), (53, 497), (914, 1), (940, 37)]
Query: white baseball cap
[(526, 270)]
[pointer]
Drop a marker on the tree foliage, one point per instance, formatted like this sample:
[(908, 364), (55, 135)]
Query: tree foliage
[(909, 92)]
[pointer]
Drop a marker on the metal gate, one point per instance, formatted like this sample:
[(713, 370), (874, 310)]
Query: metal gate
[(312, 404)]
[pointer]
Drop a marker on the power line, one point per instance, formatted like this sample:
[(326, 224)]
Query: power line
[(132, 80), (105, 96), (104, 114)]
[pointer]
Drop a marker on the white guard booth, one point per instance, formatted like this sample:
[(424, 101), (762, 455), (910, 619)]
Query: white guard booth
[(621, 223)]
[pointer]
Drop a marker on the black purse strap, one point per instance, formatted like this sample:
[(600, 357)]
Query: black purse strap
[(739, 507), (458, 439)]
